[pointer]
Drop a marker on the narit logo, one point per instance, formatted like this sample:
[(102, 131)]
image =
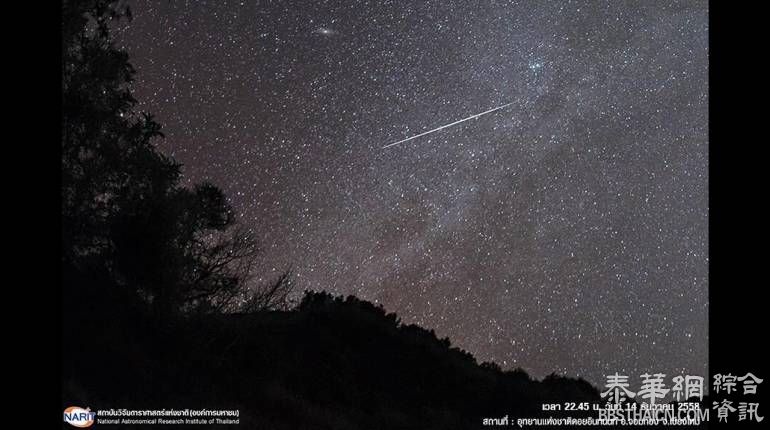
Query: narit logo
[(79, 417)]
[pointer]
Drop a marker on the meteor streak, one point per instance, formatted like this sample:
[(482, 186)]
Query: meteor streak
[(447, 125)]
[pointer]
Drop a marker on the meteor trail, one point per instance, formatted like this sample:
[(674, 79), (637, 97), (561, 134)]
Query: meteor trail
[(447, 125)]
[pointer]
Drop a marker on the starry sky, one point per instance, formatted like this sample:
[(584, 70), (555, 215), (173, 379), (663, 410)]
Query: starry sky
[(567, 232)]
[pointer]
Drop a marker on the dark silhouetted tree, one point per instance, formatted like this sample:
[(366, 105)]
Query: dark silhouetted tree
[(125, 216)]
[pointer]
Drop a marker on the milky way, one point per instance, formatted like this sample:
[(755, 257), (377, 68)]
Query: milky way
[(565, 233)]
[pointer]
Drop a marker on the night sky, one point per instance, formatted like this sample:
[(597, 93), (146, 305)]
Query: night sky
[(564, 233)]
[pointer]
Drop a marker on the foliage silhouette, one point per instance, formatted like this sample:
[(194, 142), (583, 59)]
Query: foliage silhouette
[(125, 217)]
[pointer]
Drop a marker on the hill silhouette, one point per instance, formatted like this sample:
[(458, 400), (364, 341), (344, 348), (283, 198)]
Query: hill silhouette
[(329, 363)]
